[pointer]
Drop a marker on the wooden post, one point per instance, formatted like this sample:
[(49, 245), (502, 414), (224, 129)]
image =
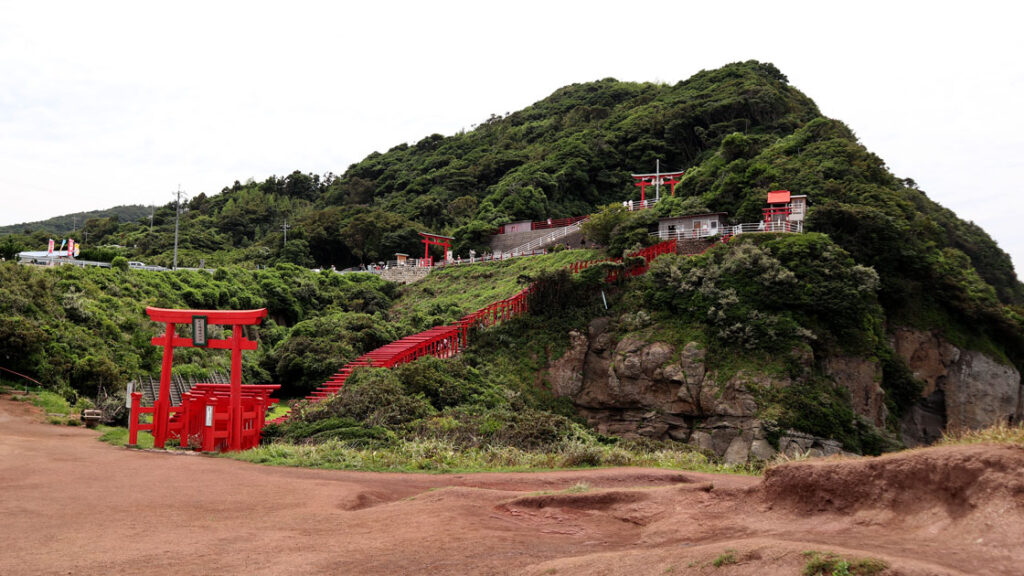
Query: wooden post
[(133, 419)]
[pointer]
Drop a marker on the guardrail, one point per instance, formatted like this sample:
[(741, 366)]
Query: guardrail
[(548, 238), (792, 227), (55, 261), (634, 205)]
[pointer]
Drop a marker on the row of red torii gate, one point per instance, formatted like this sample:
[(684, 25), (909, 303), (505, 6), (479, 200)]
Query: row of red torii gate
[(230, 417), (221, 417)]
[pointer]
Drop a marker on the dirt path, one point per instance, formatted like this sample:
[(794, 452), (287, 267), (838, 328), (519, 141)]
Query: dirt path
[(72, 505)]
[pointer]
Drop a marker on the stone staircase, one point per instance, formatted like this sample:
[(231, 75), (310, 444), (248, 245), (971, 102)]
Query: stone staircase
[(150, 387), (553, 236), (693, 245), (504, 243)]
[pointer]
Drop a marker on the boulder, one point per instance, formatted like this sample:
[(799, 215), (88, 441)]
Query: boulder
[(738, 451)]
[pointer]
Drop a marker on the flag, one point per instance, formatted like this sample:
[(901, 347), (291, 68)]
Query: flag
[(77, 246), (63, 241), (49, 248), (71, 246)]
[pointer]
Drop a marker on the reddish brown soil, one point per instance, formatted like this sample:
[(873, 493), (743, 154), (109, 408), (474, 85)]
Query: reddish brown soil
[(72, 505)]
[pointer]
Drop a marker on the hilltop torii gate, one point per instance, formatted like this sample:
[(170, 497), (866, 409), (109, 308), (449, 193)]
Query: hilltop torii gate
[(434, 240), (199, 319), (656, 179)]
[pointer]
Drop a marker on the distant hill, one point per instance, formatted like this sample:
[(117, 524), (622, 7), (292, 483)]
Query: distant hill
[(59, 225)]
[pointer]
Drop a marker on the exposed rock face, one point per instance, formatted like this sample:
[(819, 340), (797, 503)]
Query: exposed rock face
[(963, 388), (863, 378), (632, 387), (636, 388)]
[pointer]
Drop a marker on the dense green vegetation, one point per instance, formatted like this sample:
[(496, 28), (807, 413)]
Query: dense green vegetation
[(879, 254), (562, 156), (84, 331)]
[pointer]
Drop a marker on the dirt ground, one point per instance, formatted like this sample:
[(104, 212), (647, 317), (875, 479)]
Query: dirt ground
[(70, 504)]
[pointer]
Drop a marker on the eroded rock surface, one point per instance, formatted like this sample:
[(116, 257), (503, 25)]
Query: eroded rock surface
[(962, 388), (633, 387)]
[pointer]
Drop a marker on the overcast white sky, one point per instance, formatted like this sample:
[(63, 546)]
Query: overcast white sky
[(106, 103)]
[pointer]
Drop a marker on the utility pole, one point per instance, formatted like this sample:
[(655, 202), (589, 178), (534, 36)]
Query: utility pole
[(657, 180), (177, 215), (152, 212), (284, 228)]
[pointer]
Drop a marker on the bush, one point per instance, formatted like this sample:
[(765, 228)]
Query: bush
[(446, 383), (371, 397), (119, 263)]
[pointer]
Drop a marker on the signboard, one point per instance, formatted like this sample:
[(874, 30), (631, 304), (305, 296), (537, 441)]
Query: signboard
[(128, 395), (209, 415), (199, 331)]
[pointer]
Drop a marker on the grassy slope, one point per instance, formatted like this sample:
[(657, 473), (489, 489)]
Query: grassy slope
[(458, 290)]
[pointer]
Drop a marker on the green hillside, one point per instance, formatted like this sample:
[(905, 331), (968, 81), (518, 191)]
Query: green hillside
[(62, 225), (879, 254)]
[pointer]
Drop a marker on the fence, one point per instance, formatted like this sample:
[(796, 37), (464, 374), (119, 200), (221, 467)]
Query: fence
[(634, 205), (725, 231), (549, 223)]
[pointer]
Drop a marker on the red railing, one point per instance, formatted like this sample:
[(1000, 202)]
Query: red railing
[(556, 222), (447, 341), (549, 223)]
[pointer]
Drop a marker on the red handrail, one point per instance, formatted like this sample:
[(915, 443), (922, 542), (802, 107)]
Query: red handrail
[(447, 340)]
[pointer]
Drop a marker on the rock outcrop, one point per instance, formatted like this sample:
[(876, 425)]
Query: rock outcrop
[(635, 388), (962, 388), (863, 378)]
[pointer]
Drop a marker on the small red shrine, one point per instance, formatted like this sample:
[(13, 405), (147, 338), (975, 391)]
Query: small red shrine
[(225, 417), (784, 210)]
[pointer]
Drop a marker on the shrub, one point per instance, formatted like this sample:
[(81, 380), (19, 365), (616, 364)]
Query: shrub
[(829, 564), (372, 397)]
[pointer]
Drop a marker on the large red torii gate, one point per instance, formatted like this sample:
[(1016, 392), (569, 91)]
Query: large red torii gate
[(199, 319)]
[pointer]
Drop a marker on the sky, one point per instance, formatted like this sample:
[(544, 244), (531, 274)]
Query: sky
[(105, 103)]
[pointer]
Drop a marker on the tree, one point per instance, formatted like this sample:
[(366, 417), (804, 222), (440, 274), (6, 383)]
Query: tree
[(9, 247), (598, 228), (302, 186), (364, 234), (297, 252)]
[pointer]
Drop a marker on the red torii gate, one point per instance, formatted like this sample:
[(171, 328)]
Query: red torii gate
[(199, 319), (658, 178), (434, 240)]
